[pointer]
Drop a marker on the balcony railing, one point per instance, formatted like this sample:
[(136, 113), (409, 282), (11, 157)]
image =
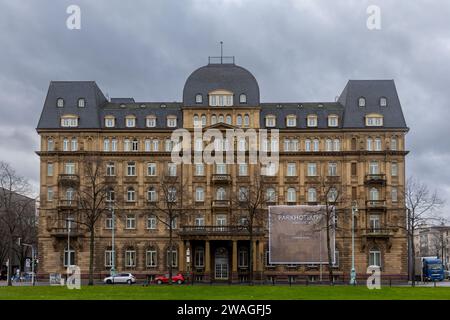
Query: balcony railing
[(376, 204), (69, 179), (377, 232), (219, 230), (221, 178), (375, 179), (64, 232), (221, 203), (67, 204)]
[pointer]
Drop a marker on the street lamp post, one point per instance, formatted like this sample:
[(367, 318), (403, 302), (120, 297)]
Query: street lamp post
[(69, 225), (32, 260), (353, 271)]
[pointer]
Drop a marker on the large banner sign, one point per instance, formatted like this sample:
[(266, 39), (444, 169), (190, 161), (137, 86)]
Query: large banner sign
[(298, 235)]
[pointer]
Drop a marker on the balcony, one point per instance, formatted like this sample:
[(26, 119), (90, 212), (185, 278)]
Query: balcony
[(63, 232), (221, 203), (375, 179), (333, 179), (376, 205), (218, 230), (221, 178), (67, 204), (269, 179), (68, 179), (381, 232)]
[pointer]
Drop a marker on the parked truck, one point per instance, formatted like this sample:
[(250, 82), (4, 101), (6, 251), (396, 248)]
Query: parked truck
[(429, 269)]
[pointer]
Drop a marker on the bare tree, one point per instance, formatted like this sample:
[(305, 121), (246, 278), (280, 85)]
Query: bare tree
[(91, 199), (248, 204), (169, 208), (330, 196), (421, 205), (15, 207)]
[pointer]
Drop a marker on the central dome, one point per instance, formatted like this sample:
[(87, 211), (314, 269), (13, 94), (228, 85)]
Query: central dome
[(226, 76)]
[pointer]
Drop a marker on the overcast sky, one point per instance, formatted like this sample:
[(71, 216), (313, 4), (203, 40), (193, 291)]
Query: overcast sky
[(297, 50)]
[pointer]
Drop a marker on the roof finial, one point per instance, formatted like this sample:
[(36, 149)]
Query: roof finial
[(221, 52)]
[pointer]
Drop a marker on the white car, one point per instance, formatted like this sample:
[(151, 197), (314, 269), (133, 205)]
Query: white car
[(120, 278)]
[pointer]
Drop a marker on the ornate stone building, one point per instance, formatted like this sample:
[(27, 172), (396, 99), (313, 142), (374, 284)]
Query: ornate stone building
[(356, 142)]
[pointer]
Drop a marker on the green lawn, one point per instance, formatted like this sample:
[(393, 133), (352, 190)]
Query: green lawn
[(222, 293)]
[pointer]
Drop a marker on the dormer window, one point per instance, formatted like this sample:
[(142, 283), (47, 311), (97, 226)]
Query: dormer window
[(60, 103), (171, 121), (221, 98), (374, 120), (362, 102), (109, 122), (312, 120), (333, 120), (150, 121), (198, 98), (123, 106), (271, 121), (291, 120), (81, 103), (243, 98), (383, 102), (130, 121), (69, 121)]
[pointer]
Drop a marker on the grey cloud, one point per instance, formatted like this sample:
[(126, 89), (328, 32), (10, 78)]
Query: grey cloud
[(298, 50)]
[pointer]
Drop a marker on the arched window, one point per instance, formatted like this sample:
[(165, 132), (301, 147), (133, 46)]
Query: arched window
[(362, 102), (239, 120), (337, 145), (131, 194), (221, 119), (198, 98), (291, 195), (243, 98), (203, 120), (270, 195), (213, 119), (50, 144), (221, 194), (316, 145), (312, 195), (60, 102), (195, 121), (271, 120), (307, 145), (81, 103), (328, 145), (246, 120), (228, 119), (374, 194), (332, 195)]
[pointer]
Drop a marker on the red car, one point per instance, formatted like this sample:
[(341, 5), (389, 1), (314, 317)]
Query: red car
[(165, 279)]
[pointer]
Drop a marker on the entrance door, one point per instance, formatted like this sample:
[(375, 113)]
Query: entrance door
[(221, 264)]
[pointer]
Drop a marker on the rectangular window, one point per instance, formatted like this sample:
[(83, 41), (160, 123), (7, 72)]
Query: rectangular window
[(151, 258), (199, 258), (109, 122), (373, 167), (74, 145), (375, 258), (108, 222), (113, 145), (131, 122), (393, 144), (151, 122), (354, 193), (172, 169), (171, 122), (369, 144), (49, 169), (126, 145), (155, 143), (151, 222), (151, 169), (106, 145), (199, 195), (332, 169), (130, 258), (312, 169), (130, 222), (148, 145), (394, 194), (243, 169), (199, 221), (291, 169), (354, 169), (109, 258), (69, 257), (377, 144), (69, 168), (199, 169), (50, 145), (49, 193), (110, 169), (131, 169), (172, 258), (66, 145), (135, 145), (221, 168), (394, 169)]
